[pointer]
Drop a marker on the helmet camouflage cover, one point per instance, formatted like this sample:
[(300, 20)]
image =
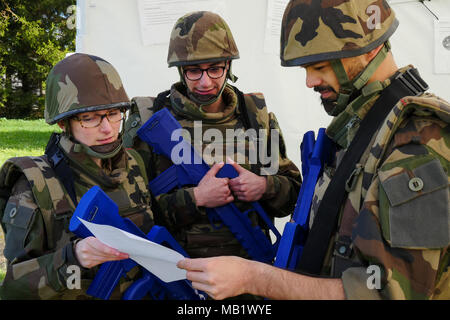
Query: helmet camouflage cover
[(81, 83), (201, 37), (318, 30)]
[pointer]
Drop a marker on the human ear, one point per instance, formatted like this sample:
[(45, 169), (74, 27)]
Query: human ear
[(372, 53), (61, 125)]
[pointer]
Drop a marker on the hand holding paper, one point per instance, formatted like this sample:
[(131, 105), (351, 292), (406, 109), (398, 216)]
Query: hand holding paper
[(157, 259)]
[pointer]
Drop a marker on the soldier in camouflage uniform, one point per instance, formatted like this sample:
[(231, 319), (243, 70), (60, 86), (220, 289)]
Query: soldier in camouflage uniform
[(85, 96), (394, 221), (202, 48)]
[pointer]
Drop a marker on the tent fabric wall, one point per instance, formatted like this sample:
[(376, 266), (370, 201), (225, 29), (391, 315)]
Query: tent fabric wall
[(111, 30)]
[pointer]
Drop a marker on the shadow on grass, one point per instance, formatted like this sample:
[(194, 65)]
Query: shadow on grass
[(24, 139)]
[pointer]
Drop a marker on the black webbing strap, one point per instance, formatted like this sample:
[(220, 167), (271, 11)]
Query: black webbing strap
[(59, 164), (242, 108), (249, 123), (160, 101), (404, 84)]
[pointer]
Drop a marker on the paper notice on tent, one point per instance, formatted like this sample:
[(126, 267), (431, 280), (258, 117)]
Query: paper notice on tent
[(275, 11), (442, 46), (157, 17)]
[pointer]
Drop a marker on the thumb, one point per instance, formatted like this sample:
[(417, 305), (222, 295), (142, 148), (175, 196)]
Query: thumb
[(215, 168), (235, 165), (183, 264)]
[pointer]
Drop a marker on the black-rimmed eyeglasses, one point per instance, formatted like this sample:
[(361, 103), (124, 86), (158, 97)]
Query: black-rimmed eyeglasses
[(195, 74), (92, 121)]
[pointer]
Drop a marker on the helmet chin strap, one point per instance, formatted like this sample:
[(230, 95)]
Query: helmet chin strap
[(200, 102), (103, 152), (349, 87)]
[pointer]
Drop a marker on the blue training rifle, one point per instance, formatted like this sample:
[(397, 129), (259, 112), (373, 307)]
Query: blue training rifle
[(314, 155), (157, 133), (96, 207)]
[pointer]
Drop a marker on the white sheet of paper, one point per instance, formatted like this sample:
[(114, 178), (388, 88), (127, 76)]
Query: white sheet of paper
[(157, 259)]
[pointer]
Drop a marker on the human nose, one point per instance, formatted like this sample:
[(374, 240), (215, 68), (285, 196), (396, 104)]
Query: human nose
[(205, 80), (105, 125), (312, 80)]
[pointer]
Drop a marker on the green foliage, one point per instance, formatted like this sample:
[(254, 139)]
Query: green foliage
[(34, 36), (23, 137)]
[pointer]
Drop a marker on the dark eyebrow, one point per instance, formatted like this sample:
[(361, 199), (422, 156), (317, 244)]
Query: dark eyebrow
[(85, 115), (215, 64)]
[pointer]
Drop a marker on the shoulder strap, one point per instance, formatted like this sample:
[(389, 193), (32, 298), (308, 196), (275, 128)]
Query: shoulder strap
[(59, 163), (142, 110), (404, 84), (248, 121), (160, 101)]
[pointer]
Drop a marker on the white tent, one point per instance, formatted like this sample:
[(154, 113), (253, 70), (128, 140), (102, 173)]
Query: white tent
[(128, 34)]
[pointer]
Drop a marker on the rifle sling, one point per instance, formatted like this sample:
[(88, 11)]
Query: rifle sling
[(406, 84), (59, 163)]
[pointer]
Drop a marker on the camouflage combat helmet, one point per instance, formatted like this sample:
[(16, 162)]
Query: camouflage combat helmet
[(319, 30), (201, 37), (82, 83)]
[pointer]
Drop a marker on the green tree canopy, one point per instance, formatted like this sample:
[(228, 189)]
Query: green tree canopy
[(34, 36)]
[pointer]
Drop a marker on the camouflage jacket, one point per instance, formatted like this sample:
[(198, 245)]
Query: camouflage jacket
[(394, 224), (39, 247), (178, 209)]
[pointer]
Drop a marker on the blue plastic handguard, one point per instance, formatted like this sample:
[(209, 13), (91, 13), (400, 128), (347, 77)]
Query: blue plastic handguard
[(155, 287), (314, 156), (157, 133), (95, 206)]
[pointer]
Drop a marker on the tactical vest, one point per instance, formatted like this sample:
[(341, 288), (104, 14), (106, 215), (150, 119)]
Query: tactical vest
[(51, 196), (341, 255), (144, 107), (251, 113)]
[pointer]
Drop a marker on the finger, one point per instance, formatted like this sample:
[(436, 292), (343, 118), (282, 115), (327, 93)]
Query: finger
[(235, 186), (104, 251), (214, 169), (192, 264), (229, 199), (198, 276), (235, 182), (236, 166)]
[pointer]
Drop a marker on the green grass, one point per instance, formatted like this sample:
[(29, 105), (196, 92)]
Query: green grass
[(23, 137)]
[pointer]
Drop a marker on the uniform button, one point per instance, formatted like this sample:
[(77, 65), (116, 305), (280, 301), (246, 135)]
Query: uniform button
[(13, 213), (415, 184), (134, 124)]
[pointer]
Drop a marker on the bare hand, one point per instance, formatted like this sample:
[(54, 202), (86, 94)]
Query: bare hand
[(213, 192), (91, 252), (219, 277), (247, 186)]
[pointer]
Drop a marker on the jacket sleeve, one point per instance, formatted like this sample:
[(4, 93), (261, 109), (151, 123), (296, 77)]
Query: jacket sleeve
[(402, 231), (177, 208), (33, 271)]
